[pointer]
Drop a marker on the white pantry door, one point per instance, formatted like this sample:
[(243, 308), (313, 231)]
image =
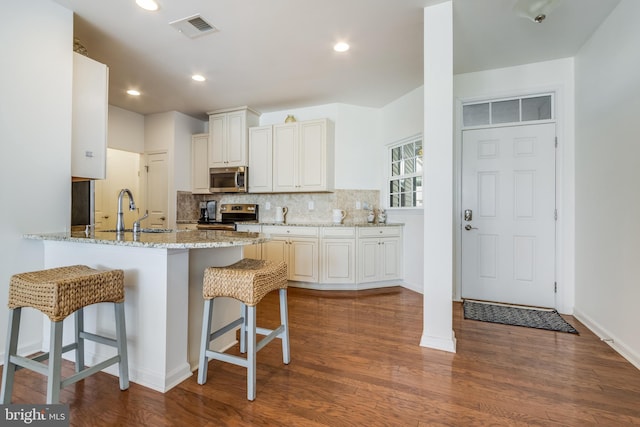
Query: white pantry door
[(157, 190), (508, 188)]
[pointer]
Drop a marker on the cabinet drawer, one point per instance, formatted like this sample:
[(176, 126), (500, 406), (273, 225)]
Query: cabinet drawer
[(248, 227), (338, 232), (290, 231), (378, 231)]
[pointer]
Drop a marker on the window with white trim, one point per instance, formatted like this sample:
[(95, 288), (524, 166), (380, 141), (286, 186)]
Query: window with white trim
[(405, 173)]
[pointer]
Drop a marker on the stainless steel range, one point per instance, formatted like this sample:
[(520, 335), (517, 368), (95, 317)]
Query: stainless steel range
[(229, 215)]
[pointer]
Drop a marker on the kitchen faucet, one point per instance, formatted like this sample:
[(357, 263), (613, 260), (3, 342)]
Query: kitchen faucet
[(132, 206)]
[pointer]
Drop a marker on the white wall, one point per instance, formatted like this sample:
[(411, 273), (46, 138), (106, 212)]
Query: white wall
[(185, 126), (35, 138), (539, 77), (126, 130), (400, 119), (607, 177)]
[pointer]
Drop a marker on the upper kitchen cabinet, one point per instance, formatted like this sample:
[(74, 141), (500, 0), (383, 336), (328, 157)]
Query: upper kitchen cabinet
[(89, 118), (199, 164), (260, 159), (303, 156), (228, 136)]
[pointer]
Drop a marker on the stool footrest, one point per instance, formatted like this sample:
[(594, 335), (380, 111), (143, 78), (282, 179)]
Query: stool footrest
[(270, 335), (229, 358), (89, 371), (229, 327), (31, 364), (98, 338)]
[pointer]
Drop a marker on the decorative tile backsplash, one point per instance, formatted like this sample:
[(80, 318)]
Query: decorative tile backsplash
[(296, 203)]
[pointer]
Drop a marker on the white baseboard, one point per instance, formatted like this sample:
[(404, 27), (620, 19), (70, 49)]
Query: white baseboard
[(438, 343), (25, 349), (614, 342)]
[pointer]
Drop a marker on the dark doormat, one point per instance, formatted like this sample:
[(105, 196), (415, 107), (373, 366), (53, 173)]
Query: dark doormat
[(516, 316)]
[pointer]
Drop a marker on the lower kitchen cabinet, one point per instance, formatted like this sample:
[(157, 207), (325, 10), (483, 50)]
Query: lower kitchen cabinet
[(379, 254), (251, 251), (338, 255), (297, 246), (332, 257)]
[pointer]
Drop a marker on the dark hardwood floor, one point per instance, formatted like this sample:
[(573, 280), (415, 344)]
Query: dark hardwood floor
[(356, 361)]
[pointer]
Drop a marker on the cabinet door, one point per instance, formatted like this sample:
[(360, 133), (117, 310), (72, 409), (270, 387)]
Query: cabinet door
[(285, 158), (89, 118), (217, 140), (200, 164), (312, 155), (260, 159), (303, 260), (390, 250), (338, 261), (276, 249), (368, 260), (236, 135)]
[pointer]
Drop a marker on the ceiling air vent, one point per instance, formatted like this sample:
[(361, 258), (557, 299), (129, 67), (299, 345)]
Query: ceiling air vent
[(193, 26)]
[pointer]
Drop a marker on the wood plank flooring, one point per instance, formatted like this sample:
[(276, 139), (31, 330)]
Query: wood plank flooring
[(356, 361)]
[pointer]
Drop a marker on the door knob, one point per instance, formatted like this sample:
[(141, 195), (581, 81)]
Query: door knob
[(469, 227)]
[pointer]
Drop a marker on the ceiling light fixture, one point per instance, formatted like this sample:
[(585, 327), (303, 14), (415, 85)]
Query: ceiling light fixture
[(341, 47), (150, 5), (535, 10), (198, 78), (133, 92)]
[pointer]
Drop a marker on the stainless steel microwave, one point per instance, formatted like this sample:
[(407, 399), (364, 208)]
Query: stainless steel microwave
[(229, 180)]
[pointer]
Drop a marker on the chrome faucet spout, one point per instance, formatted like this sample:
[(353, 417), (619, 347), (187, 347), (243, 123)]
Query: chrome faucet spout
[(132, 206)]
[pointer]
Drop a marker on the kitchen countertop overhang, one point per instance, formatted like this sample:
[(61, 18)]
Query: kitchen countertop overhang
[(181, 239), (325, 224)]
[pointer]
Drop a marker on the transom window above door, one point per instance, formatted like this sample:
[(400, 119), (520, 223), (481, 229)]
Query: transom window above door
[(514, 110)]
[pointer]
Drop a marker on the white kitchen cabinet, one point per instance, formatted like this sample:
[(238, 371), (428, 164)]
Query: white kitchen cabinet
[(298, 247), (228, 136), (89, 118), (200, 163), (251, 251), (303, 156), (260, 159), (338, 255), (379, 254)]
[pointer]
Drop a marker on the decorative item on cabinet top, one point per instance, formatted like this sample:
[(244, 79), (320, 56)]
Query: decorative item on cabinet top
[(290, 119)]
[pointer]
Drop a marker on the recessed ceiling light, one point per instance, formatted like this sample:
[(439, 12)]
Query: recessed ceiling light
[(341, 47), (150, 5), (133, 92), (198, 78)]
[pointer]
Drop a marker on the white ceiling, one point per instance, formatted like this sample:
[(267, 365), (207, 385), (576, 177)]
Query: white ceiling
[(277, 54)]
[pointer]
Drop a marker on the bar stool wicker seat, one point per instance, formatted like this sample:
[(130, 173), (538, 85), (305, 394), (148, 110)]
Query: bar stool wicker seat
[(59, 292), (247, 281)]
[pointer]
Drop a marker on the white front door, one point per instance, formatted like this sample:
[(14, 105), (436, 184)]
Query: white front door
[(508, 214)]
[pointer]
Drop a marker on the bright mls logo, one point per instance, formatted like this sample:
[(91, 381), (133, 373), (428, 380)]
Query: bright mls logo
[(35, 415)]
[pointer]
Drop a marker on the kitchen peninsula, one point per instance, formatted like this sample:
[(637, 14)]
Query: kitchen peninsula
[(163, 294)]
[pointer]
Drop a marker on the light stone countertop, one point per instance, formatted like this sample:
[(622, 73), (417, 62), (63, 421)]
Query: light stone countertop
[(174, 239), (324, 224)]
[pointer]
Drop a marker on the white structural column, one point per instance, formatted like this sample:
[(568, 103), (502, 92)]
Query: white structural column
[(438, 178)]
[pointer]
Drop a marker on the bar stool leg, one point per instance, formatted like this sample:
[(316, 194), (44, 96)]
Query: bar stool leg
[(204, 340), (79, 321), (9, 370), (243, 328), (284, 320), (251, 353), (55, 363), (121, 341)]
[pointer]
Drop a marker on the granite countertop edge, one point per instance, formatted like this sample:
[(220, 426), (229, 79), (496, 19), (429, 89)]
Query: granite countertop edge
[(324, 224), (188, 239)]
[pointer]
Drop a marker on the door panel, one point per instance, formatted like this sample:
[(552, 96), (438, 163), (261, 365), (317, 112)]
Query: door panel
[(157, 190), (508, 182)]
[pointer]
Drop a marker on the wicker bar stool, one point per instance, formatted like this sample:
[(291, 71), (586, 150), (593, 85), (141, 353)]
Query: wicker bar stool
[(59, 292), (247, 281)]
